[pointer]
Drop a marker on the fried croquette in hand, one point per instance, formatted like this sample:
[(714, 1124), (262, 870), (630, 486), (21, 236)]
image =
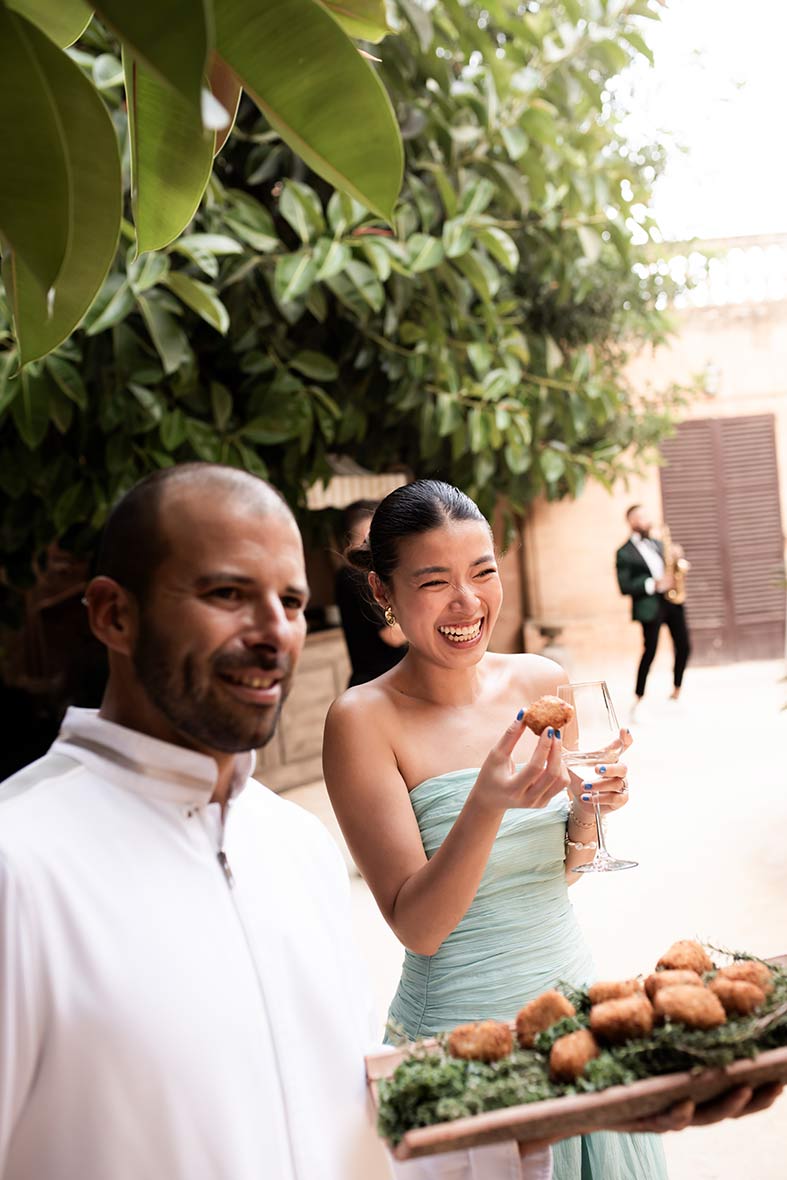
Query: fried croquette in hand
[(621, 1020), (750, 970), (738, 996), (686, 955), (660, 979), (546, 711), (696, 1007), (540, 1014), (614, 990), (487, 1040), (570, 1054)]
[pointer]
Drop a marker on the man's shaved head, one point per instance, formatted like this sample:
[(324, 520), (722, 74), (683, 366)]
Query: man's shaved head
[(134, 542)]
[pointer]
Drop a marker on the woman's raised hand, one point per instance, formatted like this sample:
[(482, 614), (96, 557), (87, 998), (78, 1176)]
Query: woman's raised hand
[(501, 785), (611, 791)]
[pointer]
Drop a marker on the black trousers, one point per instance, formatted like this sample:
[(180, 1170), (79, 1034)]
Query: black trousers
[(673, 615)]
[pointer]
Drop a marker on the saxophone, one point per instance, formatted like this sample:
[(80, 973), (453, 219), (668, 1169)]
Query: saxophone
[(676, 565)]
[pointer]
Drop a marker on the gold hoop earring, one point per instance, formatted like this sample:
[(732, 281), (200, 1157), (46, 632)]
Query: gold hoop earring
[(389, 616)]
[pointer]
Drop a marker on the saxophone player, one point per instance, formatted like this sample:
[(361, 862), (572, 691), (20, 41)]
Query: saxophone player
[(656, 588)]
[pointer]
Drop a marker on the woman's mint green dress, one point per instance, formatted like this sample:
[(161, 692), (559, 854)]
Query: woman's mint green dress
[(518, 938)]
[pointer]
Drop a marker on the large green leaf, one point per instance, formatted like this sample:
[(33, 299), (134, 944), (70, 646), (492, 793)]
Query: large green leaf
[(171, 157), (64, 21), (91, 150), (364, 19), (318, 92), (36, 195), (172, 37)]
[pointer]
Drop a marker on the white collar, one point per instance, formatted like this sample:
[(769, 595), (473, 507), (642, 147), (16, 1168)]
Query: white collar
[(174, 774)]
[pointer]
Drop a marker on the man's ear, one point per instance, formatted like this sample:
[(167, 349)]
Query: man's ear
[(378, 590), (112, 614)]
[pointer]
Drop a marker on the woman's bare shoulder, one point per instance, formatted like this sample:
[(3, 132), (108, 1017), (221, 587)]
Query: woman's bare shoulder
[(537, 674), (362, 702)]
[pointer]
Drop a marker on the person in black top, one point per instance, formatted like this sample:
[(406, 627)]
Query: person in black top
[(373, 645)]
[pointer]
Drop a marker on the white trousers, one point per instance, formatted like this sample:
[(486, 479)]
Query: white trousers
[(500, 1161)]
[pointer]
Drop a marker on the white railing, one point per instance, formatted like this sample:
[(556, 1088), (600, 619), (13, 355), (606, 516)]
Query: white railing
[(726, 271)]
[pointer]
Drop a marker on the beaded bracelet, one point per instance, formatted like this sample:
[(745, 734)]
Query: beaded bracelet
[(573, 818), (578, 845)]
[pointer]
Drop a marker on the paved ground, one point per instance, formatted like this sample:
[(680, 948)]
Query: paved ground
[(708, 823)]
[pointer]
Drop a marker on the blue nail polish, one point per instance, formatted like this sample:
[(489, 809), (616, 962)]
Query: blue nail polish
[(587, 786), (628, 731), (585, 798), (520, 714), (601, 769), (550, 732), (557, 733)]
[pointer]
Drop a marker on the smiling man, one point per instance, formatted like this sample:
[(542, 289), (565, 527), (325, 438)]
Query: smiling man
[(178, 991)]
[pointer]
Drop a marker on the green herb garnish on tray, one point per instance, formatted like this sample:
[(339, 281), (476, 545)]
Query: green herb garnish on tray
[(430, 1086)]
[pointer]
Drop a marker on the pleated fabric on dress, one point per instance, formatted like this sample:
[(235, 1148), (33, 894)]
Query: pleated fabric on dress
[(518, 938)]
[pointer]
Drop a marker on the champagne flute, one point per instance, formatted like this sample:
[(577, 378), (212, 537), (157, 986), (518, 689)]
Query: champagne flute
[(590, 739)]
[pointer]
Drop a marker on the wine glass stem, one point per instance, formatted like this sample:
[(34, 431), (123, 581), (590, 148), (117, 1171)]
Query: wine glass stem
[(601, 848)]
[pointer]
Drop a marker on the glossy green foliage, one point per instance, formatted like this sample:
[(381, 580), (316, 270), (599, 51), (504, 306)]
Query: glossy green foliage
[(482, 337), (187, 62)]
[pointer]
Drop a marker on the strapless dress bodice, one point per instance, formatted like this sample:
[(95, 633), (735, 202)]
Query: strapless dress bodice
[(519, 935), (518, 938)]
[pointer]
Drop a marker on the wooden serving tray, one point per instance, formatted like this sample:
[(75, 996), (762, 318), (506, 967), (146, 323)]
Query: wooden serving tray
[(575, 1114)]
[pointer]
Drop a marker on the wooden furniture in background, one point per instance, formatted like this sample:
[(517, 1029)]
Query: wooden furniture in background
[(293, 757)]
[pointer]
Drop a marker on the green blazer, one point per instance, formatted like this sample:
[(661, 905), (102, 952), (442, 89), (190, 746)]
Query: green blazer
[(633, 571)]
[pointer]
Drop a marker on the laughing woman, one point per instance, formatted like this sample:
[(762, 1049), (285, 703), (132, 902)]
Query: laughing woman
[(465, 849)]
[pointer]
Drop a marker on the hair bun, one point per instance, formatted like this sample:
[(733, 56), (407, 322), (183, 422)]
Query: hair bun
[(360, 556)]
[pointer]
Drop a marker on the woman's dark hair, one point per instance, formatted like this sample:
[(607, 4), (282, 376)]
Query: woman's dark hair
[(415, 508)]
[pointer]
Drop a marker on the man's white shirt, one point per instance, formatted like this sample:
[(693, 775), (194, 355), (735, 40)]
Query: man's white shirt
[(169, 1013), (652, 558)]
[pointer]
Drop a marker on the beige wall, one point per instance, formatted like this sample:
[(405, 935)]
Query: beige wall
[(570, 546)]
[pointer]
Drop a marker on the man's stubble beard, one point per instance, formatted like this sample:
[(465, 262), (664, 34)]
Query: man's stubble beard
[(201, 716)]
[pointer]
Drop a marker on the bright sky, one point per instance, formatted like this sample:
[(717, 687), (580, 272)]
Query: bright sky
[(719, 87)]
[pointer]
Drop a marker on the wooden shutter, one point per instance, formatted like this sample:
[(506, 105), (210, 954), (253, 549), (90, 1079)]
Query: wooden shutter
[(690, 495), (721, 499), (754, 527)]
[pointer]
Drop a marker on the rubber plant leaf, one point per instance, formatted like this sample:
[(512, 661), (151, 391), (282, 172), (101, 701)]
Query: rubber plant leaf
[(90, 147), (171, 157), (364, 19), (316, 90), (173, 38), (36, 188), (64, 22)]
